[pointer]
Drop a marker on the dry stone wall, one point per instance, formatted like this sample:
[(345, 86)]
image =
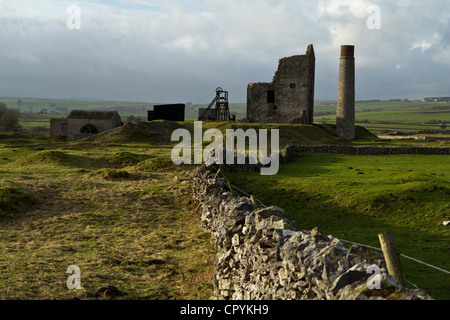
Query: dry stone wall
[(262, 256), (347, 149)]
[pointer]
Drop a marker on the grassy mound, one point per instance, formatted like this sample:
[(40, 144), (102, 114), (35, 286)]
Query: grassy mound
[(361, 133), (125, 159), (288, 133), (156, 164), (159, 132), (13, 199), (47, 157), (110, 174), (154, 132)]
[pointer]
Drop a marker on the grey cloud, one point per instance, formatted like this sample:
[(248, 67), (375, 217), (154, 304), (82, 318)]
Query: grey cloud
[(168, 52)]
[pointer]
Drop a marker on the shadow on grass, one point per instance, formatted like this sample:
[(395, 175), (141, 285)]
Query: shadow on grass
[(361, 218)]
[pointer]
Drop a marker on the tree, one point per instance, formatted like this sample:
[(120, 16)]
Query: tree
[(443, 126), (9, 118), (62, 110), (3, 111)]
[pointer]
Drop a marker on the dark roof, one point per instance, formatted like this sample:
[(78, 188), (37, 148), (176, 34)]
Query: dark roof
[(87, 114)]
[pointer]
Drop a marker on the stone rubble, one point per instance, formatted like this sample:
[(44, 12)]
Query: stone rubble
[(262, 256)]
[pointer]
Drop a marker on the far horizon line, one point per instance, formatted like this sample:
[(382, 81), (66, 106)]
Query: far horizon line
[(188, 102)]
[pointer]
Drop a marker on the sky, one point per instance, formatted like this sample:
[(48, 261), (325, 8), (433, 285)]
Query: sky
[(180, 51)]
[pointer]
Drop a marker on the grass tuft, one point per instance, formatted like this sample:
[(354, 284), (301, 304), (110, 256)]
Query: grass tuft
[(13, 199), (125, 159), (156, 164), (110, 174)]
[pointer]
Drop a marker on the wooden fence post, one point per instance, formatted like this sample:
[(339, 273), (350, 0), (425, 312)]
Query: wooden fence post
[(391, 256), (252, 197)]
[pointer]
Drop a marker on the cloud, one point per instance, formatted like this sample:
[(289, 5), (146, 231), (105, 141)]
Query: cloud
[(166, 50)]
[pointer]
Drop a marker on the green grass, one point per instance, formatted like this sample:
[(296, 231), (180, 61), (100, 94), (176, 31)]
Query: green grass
[(392, 116), (13, 199), (92, 205), (34, 105), (357, 197), (116, 206), (405, 117), (110, 174), (47, 157), (30, 120)]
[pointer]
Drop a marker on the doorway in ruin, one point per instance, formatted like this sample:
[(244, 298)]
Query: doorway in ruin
[(89, 128)]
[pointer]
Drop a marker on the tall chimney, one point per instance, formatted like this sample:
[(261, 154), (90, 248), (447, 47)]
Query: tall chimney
[(345, 116)]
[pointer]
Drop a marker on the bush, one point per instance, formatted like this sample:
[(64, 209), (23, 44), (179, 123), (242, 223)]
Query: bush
[(9, 118)]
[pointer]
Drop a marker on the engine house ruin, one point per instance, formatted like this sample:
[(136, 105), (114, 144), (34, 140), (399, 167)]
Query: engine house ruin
[(289, 98)]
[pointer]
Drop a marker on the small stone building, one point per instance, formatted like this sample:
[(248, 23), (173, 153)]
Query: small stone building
[(80, 124), (289, 98)]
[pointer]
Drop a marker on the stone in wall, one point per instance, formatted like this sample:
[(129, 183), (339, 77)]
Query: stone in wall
[(368, 150)]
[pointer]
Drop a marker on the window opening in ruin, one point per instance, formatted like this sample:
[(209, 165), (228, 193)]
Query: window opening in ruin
[(270, 96), (293, 85), (64, 127)]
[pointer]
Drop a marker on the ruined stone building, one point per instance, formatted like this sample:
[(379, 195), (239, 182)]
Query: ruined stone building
[(289, 98), (80, 124)]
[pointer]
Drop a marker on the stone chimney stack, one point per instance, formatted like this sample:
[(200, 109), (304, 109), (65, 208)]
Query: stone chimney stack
[(345, 116)]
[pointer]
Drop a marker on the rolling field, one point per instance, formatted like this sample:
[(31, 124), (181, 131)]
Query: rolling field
[(355, 198), (392, 116), (116, 206)]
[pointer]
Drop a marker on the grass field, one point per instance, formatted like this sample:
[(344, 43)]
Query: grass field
[(122, 213), (36, 105), (38, 112), (115, 206), (356, 197), (391, 116), (32, 120)]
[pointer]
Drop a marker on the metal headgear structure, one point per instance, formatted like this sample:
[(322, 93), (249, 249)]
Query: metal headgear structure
[(222, 111)]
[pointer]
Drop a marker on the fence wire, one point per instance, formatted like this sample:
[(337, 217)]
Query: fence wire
[(343, 240)]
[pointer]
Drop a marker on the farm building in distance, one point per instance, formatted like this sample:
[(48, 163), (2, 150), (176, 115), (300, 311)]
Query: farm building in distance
[(173, 112), (289, 98), (436, 99), (80, 124)]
